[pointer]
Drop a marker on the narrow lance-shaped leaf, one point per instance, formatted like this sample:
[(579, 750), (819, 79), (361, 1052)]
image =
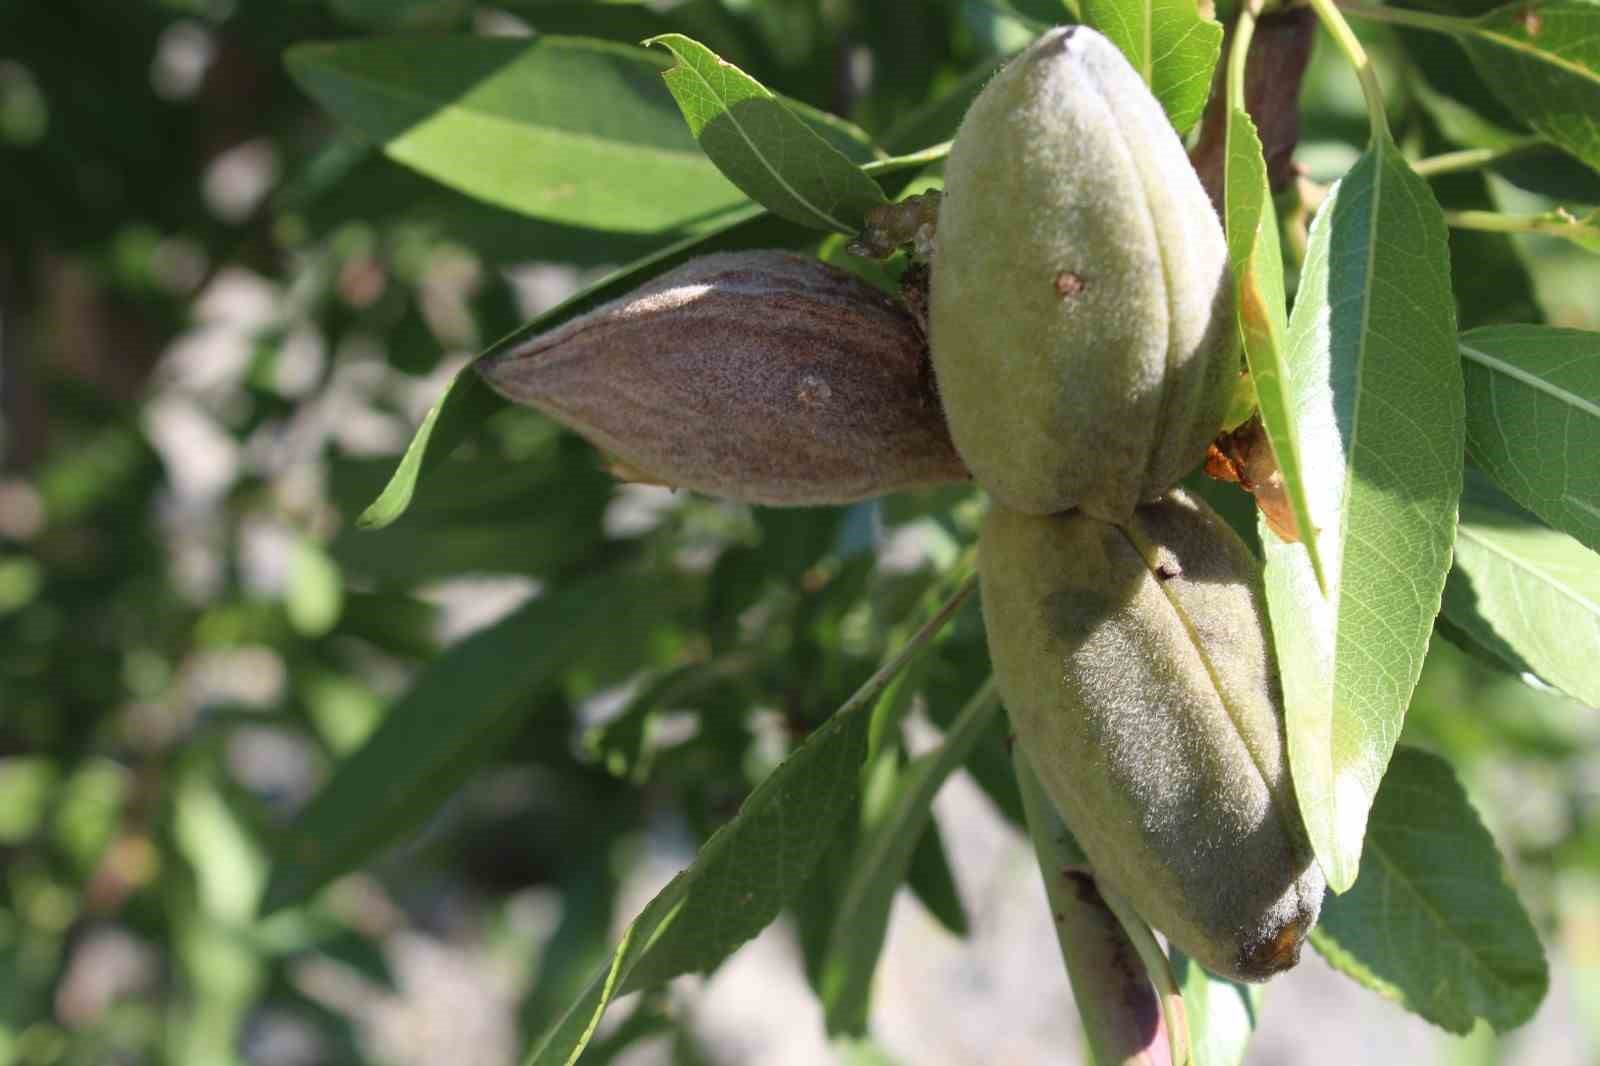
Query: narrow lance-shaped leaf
[(1533, 420), (565, 129), (881, 864), (1433, 923), (750, 868), (1527, 594), (762, 146), (434, 737), (736, 885), (1376, 385), (1221, 1013), (1257, 261), (1543, 61), (1172, 46)]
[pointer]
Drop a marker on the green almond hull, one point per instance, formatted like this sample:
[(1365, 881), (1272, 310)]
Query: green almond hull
[(1136, 666), (1081, 315)]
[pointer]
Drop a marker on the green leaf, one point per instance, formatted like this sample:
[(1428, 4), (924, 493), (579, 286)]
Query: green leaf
[(1527, 594), (1433, 923), (564, 129), (736, 884), (1172, 46), (1257, 261), (466, 402), (934, 884), (762, 146), (1543, 61), (1221, 1013), (880, 866), (314, 596), (1375, 378), (435, 736), (751, 867), (1533, 420), (1127, 1021)]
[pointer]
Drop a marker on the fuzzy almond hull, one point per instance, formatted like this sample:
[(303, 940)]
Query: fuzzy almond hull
[(761, 376), (1081, 308), (1137, 669)]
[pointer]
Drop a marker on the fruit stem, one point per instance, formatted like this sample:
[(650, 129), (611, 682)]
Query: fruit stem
[(1243, 30), (1345, 38), (1473, 158)]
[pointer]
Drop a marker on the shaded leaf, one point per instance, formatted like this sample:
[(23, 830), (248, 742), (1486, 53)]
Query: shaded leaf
[(1257, 261), (736, 885), (1375, 378), (1533, 420), (881, 862), (751, 867), (1433, 923), (564, 129), (1543, 61), (934, 884), (1172, 46), (762, 146), (1527, 594), (435, 735)]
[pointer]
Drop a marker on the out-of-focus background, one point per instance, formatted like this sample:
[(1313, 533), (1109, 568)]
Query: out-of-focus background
[(220, 320)]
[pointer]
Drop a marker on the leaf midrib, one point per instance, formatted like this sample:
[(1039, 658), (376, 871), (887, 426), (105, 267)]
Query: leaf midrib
[(1539, 55), (1519, 563), (1503, 989), (395, 91), (1530, 379), (685, 65)]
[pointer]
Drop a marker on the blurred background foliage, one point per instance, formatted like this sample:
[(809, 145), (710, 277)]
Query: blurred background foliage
[(220, 319)]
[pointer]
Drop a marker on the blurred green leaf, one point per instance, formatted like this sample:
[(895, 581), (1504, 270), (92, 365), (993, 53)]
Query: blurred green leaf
[(762, 146), (751, 867), (1222, 1014), (1432, 923), (1257, 260), (1170, 43), (1374, 373), (934, 884), (736, 885), (564, 129), (1543, 61), (315, 593), (1527, 594), (939, 118), (1533, 420), (436, 735), (881, 863)]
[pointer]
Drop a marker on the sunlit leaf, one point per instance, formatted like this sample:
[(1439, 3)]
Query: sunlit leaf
[(1527, 594), (1170, 43), (1375, 377), (1257, 261), (564, 129)]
